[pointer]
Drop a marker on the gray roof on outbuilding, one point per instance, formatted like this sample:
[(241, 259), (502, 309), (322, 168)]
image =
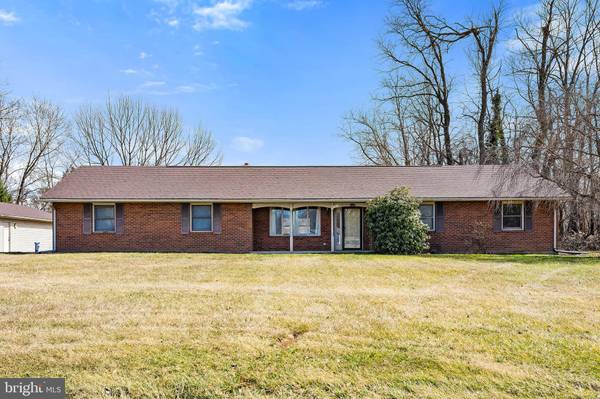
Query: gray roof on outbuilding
[(14, 211)]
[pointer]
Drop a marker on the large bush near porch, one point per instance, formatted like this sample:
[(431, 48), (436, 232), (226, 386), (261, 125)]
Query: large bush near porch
[(395, 223)]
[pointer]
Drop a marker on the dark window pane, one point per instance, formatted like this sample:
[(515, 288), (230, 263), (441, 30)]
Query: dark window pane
[(426, 210), (512, 222), (104, 218), (313, 221), (278, 215), (104, 211), (512, 209), (427, 215), (201, 211), (104, 225), (511, 216), (201, 224)]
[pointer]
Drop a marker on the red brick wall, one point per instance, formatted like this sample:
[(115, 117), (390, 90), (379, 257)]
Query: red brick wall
[(264, 242), (468, 228), (155, 227)]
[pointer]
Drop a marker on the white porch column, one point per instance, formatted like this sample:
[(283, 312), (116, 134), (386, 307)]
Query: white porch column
[(331, 228), (291, 227)]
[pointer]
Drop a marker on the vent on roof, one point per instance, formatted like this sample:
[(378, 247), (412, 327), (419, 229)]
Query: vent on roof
[(246, 163)]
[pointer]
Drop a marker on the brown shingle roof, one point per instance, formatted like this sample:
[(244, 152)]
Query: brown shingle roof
[(309, 183), (13, 211)]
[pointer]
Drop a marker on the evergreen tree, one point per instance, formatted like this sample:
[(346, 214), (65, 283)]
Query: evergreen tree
[(498, 153), (4, 194)]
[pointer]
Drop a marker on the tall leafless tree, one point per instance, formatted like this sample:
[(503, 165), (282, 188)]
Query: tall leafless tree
[(485, 35), (416, 49), (10, 140), (44, 125), (546, 121), (127, 131)]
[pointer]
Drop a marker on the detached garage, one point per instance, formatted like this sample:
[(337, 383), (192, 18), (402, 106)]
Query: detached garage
[(21, 227)]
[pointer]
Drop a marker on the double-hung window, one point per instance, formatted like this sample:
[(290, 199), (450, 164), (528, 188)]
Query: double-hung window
[(428, 215), (201, 218), (104, 218), (512, 216), (307, 222)]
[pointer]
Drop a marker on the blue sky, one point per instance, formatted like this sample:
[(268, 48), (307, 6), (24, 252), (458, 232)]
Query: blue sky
[(271, 79)]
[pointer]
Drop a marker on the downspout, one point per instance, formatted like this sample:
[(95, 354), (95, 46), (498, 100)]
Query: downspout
[(554, 232), (53, 229), (9, 236)]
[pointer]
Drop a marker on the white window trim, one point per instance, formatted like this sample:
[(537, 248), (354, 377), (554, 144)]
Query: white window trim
[(522, 216), (271, 221), (432, 212), (94, 217), (318, 222), (212, 218)]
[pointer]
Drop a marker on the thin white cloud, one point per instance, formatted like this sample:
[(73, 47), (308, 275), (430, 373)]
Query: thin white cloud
[(300, 5), (195, 88), (172, 22), (143, 55), (8, 17), (224, 14), (527, 11), (152, 83), (168, 3), (160, 88), (527, 15), (186, 89), (198, 50), (129, 71), (247, 144)]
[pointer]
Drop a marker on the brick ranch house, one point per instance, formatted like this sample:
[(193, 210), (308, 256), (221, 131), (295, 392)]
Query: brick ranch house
[(246, 208)]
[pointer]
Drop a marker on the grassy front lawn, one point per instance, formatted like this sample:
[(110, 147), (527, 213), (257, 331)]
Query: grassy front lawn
[(171, 325)]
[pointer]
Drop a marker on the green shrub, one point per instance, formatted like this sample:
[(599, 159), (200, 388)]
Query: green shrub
[(395, 223)]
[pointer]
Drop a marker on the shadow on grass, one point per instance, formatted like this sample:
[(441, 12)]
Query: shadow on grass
[(524, 259)]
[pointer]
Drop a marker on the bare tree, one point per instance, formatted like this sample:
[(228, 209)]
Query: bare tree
[(91, 138), (485, 36), (557, 66), (534, 64), (417, 50), (10, 118), (201, 149), (44, 124), (547, 123), (129, 132), (374, 140)]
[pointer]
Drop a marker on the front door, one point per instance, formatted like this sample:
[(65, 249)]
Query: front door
[(352, 227)]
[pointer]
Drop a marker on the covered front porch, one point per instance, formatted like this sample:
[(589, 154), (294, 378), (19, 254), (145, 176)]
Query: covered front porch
[(309, 227)]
